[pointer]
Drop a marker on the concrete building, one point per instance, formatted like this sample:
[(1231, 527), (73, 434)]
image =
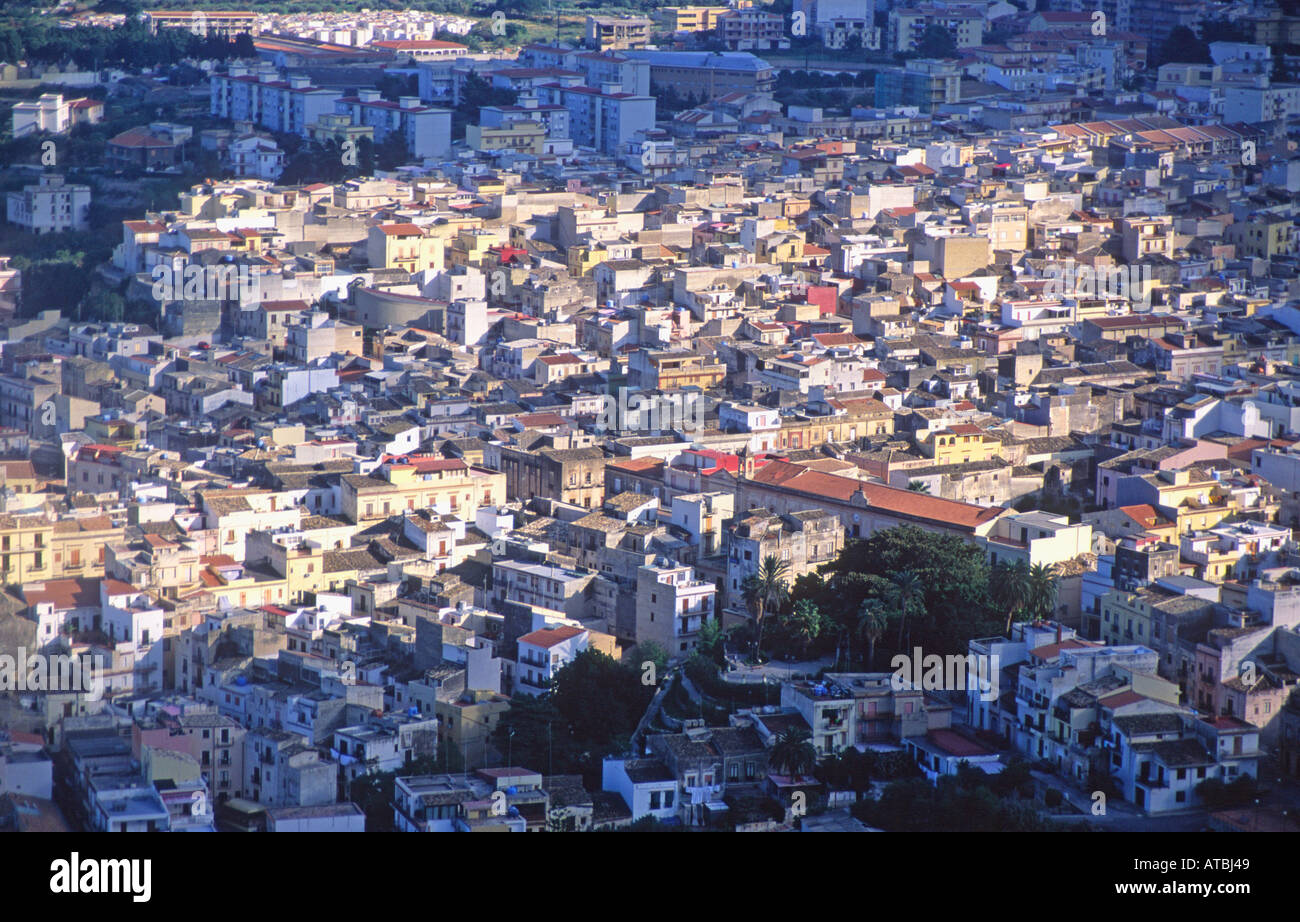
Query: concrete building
[(51, 206)]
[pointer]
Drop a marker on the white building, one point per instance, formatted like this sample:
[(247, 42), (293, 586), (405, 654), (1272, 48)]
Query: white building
[(672, 606), (544, 653), (260, 158), (51, 207), (261, 97), (52, 114), (426, 130), (604, 119)]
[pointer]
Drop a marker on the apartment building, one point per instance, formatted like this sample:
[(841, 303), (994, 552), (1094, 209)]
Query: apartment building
[(803, 541), (604, 119), (610, 33), (540, 585), (752, 29), (907, 24), (1036, 538), (51, 206), (404, 246), (215, 23), (447, 485), (672, 606), (425, 130), (260, 96), (571, 475), (545, 652)]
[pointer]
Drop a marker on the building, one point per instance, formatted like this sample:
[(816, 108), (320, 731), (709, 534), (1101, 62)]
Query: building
[(570, 475), (803, 540), (403, 484), (610, 33), (707, 75), (51, 206), (159, 146), (260, 96), (222, 24), (752, 29), (672, 606), (52, 114), (926, 84), (424, 130), (545, 652), (603, 119), (1037, 538)]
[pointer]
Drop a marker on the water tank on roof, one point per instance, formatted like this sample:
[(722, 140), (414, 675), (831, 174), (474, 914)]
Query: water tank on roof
[(241, 680), (512, 790), (413, 711)]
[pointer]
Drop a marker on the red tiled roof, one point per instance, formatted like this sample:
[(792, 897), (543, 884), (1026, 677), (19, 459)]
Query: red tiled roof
[(549, 637), (401, 230), (1145, 515), (956, 744), (1119, 699), (905, 503), (65, 594)]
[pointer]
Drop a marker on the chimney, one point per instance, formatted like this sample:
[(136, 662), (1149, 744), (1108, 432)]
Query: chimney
[(369, 95), (409, 102)]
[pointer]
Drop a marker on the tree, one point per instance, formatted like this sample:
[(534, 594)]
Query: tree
[(243, 46), (918, 486), (710, 643), (765, 589), (1184, 47), (794, 754), (954, 578), (1011, 589), (871, 625), (909, 593), (1041, 597), (600, 699), (651, 652), (936, 42), (102, 305), (803, 623)]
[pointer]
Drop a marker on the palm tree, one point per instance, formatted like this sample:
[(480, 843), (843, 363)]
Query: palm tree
[(794, 754), (918, 486), (908, 592), (871, 625), (804, 623), (1041, 600), (1011, 588), (767, 588)]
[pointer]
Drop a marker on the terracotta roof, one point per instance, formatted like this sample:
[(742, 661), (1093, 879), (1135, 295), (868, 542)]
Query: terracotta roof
[(1145, 515), (401, 230), (549, 637), (65, 594), (905, 503)]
